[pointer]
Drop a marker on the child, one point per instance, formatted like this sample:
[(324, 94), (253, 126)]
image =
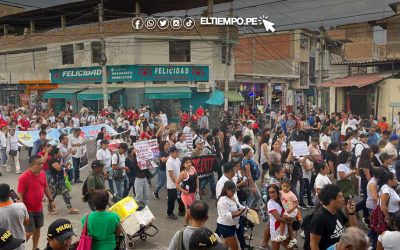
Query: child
[(290, 204)]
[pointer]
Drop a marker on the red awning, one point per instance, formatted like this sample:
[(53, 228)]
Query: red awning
[(353, 81)]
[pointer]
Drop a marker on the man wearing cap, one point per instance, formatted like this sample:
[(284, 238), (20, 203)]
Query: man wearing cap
[(8, 242), (391, 147), (173, 166), (95, 181), (66, 151), (198, 216), (12, 215), (104, 155), (59, 235)]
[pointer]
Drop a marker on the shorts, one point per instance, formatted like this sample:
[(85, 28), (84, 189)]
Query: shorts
[(225, 231), (265, 166), (36, 220), (188, 199)]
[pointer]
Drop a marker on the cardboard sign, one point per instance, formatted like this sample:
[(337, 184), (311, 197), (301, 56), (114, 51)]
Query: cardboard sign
[(147, 153), (300, 148)]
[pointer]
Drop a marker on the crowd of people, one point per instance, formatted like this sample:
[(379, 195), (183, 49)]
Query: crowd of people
[(351, 166)]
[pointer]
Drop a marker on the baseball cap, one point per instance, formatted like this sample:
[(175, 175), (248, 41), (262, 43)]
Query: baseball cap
[(60, 230), (7, 241), (203, 238), (173, 149), (97, 164), (199, 141), (393, 137)]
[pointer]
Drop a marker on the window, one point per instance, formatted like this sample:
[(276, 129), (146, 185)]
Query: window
[(179, 50), (304, 41), (96, 51), (79, 46), (67, 54), (304, 74)]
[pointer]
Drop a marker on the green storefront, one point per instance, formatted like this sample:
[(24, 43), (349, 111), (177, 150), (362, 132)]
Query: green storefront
[(170, 97)]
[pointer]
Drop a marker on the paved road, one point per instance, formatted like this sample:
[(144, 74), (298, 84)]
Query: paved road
[(158, 207)]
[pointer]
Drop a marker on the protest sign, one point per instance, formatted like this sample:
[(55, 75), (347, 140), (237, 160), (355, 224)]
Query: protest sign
[(300, 148), (147, 153), (84, 158), (204, 165)]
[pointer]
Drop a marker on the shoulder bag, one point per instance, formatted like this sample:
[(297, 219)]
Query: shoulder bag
[(85, 242)]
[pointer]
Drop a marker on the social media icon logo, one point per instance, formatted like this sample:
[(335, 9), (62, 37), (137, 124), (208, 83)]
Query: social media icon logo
[(150, 23), (163, 23), (137, 23), (176, 23), (189, 23)]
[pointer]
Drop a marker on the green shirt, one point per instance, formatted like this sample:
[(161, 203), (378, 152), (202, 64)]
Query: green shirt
[(102, 227), (95, 181)]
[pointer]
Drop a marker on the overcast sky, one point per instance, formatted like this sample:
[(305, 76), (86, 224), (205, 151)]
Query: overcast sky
[(287, 14)]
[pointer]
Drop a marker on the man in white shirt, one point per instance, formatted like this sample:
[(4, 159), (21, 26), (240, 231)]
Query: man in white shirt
[(3, 146), (118, 164), (173, 166), (187, 129), (104, 155), (229, 174), (391, 147), (249, 131), (164, 118), (66, 151), (352, 121), (363, 143), (77, 143)]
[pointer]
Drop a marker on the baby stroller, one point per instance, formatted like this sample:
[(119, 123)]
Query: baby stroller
[(249, 220)]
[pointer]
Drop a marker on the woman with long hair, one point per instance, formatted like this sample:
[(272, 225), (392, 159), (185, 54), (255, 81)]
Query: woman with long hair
[(275, 211), (364, 164), (344, 174), (188, 184), (264, 154), (229, 212)]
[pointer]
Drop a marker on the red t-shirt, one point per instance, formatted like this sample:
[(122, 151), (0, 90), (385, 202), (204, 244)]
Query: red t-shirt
[(24, 124), (145, 135), (383, 126), (129, 115), (200, 112), (32, 189)]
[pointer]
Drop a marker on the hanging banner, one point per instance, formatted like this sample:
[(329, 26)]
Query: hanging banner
[(147, 153), (87, 133), (204, 165)]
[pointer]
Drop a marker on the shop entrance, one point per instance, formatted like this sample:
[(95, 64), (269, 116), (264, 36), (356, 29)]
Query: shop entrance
[(170, 107)]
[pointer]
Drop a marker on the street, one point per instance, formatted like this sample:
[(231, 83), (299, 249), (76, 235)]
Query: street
[(166, 226)]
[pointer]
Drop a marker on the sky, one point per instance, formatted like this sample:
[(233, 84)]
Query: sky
[(286, 14)]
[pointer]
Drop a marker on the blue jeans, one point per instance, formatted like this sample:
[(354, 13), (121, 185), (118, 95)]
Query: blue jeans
[(208, 179), (111, 185), (253, 198), (162, 180), (119, 187), (305, 189), (76, 162)]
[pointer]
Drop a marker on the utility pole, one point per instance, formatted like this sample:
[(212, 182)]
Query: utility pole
[(321, 64), (103, 59), (227, 61)]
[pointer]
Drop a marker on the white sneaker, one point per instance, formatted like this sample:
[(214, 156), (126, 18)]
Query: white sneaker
[(280, 238), (292, 243), (18, 172)]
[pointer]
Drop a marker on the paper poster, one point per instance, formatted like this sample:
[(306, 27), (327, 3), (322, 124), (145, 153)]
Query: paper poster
[(300, 148), (147, 153)]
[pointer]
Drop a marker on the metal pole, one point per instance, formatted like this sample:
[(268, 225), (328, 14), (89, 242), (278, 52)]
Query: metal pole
[(227, 61), (103, 52)]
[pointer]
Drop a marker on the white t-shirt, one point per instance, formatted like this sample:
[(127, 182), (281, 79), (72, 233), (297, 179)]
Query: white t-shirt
[(76, 121), (164, 119), (343, 168), (134, 130), (226, 207), (274, 229), (390, 240), (174, 165), (321, 181), (105, 157), (183, 149), (327, 139), (73, 140), (394, 198), (121, 162), (187, 130)]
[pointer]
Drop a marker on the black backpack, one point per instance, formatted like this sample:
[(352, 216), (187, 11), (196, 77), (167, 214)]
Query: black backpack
[(353, 159)]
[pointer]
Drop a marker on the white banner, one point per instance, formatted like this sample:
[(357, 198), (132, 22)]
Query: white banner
[(147, 153)]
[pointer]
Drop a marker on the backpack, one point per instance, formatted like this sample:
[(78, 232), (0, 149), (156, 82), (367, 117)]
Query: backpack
[(254, 169), (353, 159), (118, 174), (85, 191)]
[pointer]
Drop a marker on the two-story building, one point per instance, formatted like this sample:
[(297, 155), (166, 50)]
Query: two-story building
[(168, 69)]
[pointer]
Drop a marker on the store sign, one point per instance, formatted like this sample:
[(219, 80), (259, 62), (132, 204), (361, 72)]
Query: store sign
[(76, 75), (132, 73)]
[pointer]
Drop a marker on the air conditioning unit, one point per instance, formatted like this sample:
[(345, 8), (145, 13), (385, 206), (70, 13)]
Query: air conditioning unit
[(203, 87)]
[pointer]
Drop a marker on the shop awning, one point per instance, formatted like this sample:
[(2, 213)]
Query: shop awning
[(95, 94), (217, 98), (64, 93), (358, 81), (168, 93), (234, 96)]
